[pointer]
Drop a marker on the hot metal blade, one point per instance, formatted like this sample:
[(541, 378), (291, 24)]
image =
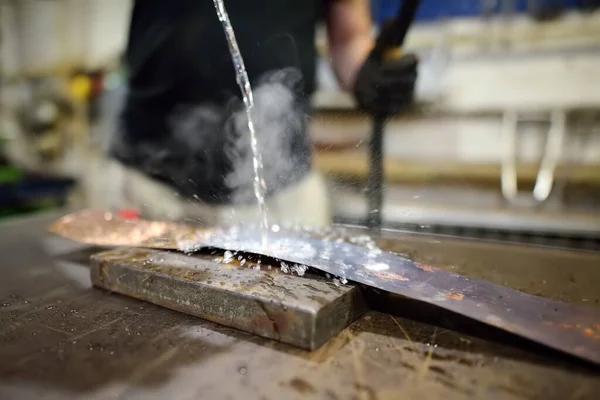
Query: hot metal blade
[(102, 228), (571, 329)]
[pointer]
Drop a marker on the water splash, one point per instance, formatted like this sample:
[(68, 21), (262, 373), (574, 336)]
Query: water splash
[(228, 257)]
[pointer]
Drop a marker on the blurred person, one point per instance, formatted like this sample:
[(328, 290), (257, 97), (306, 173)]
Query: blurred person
[(183, 143)]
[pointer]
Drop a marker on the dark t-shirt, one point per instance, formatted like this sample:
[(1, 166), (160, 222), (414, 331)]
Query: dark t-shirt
[(183, 121)]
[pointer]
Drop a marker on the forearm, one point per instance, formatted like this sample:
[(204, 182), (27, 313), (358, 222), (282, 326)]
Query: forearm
[(350, 37)]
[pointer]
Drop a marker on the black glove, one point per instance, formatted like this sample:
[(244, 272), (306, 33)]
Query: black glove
[(385, 88)]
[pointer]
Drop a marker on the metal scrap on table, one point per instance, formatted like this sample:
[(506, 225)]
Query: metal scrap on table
[(574, 330)]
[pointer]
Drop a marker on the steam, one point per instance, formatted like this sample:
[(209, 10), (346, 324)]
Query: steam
[(279, 120), (203, 140)]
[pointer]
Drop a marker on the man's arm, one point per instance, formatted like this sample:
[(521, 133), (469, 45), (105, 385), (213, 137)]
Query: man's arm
[(349, 31)]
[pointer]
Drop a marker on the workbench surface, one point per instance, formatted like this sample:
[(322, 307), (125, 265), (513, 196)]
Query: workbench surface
[(61, 338)]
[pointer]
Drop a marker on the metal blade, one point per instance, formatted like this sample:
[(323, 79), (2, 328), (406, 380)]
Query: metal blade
[(571, 329), (564, 327), (103, 228)]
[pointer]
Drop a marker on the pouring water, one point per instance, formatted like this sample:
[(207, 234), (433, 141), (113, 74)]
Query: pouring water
[(246, 89)]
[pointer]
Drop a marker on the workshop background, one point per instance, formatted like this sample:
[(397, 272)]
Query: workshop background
[(508, 93)]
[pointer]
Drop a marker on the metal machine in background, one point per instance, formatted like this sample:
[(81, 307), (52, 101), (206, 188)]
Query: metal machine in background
[(504, 140)]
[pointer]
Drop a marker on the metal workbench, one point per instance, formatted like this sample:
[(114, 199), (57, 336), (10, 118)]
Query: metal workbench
[(61, 338)]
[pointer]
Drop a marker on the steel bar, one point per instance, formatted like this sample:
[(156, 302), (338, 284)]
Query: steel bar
[(303, 311), (375, 179), (375, 185)]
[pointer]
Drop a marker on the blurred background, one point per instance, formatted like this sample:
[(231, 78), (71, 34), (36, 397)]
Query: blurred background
[(504, 143)]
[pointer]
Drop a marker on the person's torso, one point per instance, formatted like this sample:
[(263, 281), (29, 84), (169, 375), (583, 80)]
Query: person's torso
[(182, 43), (178, 55)]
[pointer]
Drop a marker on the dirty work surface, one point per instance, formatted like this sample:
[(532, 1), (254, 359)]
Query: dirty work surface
[(62, 339)]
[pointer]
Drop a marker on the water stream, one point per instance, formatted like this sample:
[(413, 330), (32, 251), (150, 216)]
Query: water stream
[(246, 89)]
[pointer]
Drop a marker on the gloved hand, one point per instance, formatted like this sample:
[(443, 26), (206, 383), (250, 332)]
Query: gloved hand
[(385, 87)]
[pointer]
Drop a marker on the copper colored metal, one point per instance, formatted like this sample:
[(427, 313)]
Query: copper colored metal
[(571, 329), (103, 228)]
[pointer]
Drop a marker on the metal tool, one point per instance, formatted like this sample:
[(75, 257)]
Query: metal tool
[(388, 49), (571, 329)]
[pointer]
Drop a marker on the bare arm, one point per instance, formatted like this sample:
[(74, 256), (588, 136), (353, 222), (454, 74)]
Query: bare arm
[(349, 31)]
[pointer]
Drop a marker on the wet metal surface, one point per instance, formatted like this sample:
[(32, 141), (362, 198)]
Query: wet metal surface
[(572, 329), (61, 339), (301, 311), (561, 326)]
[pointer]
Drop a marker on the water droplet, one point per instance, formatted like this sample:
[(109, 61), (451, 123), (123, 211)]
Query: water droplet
[(299, 269), (377, 267), (275, 228), (228, 257), (242, 370), (112, 352), (376, 348)]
